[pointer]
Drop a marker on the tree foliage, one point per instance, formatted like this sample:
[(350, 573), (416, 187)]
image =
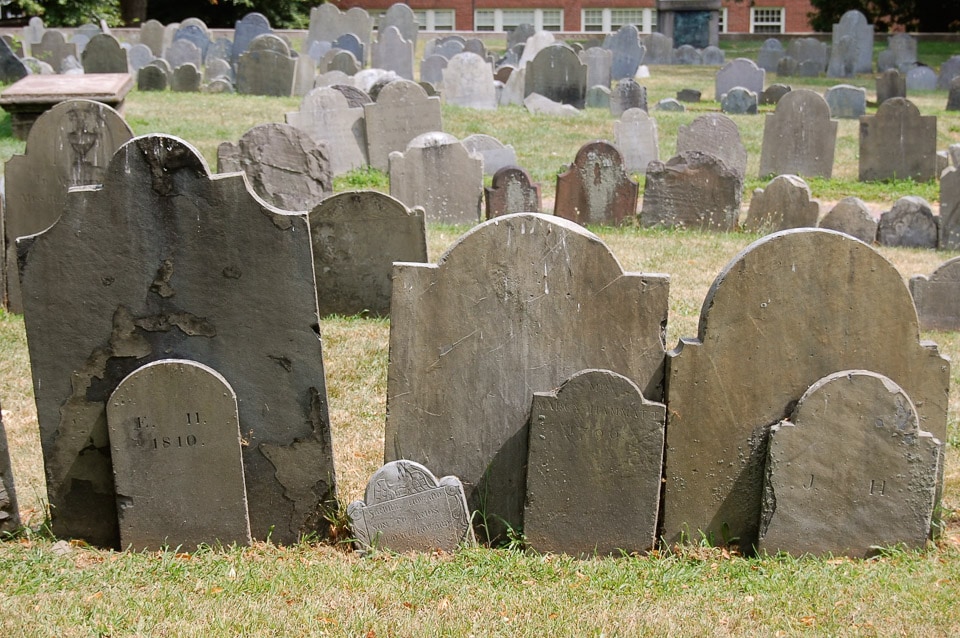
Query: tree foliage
[(283, 14), (924, 16)]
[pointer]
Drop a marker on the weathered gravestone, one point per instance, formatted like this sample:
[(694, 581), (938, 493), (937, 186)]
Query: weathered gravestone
[(635, 134), (69, 145), (598, 97), (599, 62), (891, 83), (718, 135), (495, 153), (195, 32), (659, 49), (850, 471), (557, 74), (327, 23), (626, 52), (351, 43), (103, 54), (32, 33), (152, 34), (177, 467), (165, 261), (468, 81), (393, 53), (953, 99), (596, 189), (431, 69), (687, 54), (692, 190), (183, 52), (245, 30), (898, 143), (448, 47), (724, 395), (514, 307), (921, 78), (401, 17), (283, 164), (53, 49), (949, 227), (770, 53), (406, 508), (740, 72), (153, 77), (357, 236), (851, 216), (218, 85), (784, 203), (739, 101), (339, 60), (402, 112), (773, 93), (536, 103), (799, 138), (355, 97), (186, 79), (937, 297), (810, 52), (628, 94), (535, 44), (520, 34), (852, 50), (438, 173), (139, 56), (511, 191), (327, 117), (903, 50), (787, 67), (595, 461), (9, 512), (948, 70), (267, 68), (910, 223), (846, 101), (12, 68), (669, 104), (218, 68), (689, 95), (713, 56)]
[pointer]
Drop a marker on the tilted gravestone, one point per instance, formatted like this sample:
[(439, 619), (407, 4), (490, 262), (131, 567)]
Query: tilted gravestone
[(716, 134), (599, 62), (557, 74), (785, 203), (851, 471), (511, 191), (910, 223), (891, 83), (626, 50), (724, 394), (635, 134), (392, 52), (495, 153), (921, 78), (245, 30), (770, 53), (799, 138), (948, 71), (177, 466), (628, 94), (402, 112), (739, 101), (153, 77), (357, 236), (898, 143), (740, 72), (439, 174), (852, 50), (267, 68), (283, 164), (186, 78), (468, 81), (12, 67), (596, 189), (937, 297), (103, 54), (851, 216), (9, 511), (474, 336), (406, 508), (69, 145), (181, 265), (692, 190), (846, 101), (327, 117), (595, 461)]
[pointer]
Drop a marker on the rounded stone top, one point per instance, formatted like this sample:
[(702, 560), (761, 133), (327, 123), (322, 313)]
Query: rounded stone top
[(433, 138)]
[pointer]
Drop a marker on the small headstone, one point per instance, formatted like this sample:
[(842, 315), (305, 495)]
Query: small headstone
[(846, 101), (773, 93), (635, 135), (392, 52), (910, 223), (139, 56), (175, 450), (785, 203), (151, 34), (468, 81), (495, 153), (898, 143), (152, 78), (596, 189), (186, 78), (687, 54), (693, 190), (511, 191), (770, 53), (431, 69), (628, 94), (536, 103), (741, 72), (218, 68), (594, 427), (948, 70), (717, 135), (557, 74), (103, 54), (921, 78), (689, 95), (626, 50), (788, 67), (799, 138), (953, 99), (598, 97), (739, 101), (355, 97), (183, 52), (809, 50), (218, 85), (405, 509), (402, 112), (713, 56), (669, 104), (9, 512), (267, 68), (52, 49), (599, 63), (937, 298), (659, 49), (891, 83), (852, 50), (327, 117), (851, 216), (245, 30), (949, 228)]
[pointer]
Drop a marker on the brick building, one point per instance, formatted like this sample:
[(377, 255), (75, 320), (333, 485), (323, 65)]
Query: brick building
[(747, 16)]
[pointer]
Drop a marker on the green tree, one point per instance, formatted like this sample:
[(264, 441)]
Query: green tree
[(71, 13), (924, 16)]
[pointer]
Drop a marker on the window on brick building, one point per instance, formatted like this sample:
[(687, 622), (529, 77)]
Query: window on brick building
[(508, 19), (767, 20), (609, 20), (722, 24), (435, 19)]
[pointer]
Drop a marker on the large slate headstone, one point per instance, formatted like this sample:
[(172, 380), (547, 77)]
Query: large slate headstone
[(9, 512), (402, 112), (165, 261), (267, 68), (784, 203), (635, 134), (910, 223), (692, 190), (472, 337), (851, 216), (595, 461), (852, 50), (628, 94), (740, 72), (495, 153), (406, 508), (891, 83), (103, 54), (596, 188), (718, 135), (511, 191), (898, 143), (557, 74), (468, 81), (850, 471), (937, 297), (175, 449), (393, 53), (327, 117), (245, 30), (799, 138), (357, 236), (599, 62), (751, 362), (846, 101), (627, 52)]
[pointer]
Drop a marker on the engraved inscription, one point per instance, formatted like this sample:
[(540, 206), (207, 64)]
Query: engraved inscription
[(809, 484), (877, 487)]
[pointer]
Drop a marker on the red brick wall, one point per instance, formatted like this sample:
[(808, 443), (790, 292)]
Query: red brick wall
[(738, 14)]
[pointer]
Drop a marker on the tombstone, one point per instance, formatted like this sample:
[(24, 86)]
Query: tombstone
[(948, 70), (846, 101), (713, 56), (340, 60), (186, 78), (175, 450), (910, 223), (891, 83), (36, 67), (151, 35), (635, 135), (477, 395), (139, 56), (718, 135), (557, 74), (628, 94), (326, 116), (535, 44), (921, 78), (850, 471), (520, 34), (773, 93), (495, 153), (393, 53), (52, 49), (669, 104), (788, 67), (152, 78), (327, 23), (104, 54), (770, 53), (245, 30), (476, 45), (449, 47), (357, 236), (182, 265), (405, 508), (937, 298), (511, 191), (402, 112), (197, 33), (953, 99), (468, 82), (599, 63), (218, 85), (739, 101), (799, 138), (431, 69), (898, 143), (183, 52), (218, 68), (404, 19), (785, 203), (69, 145), (659, 49), (692, 190), (283, 165), (596, 426), (852, 50), (11, 67), (740, 72), (355, 97), (267, 68), (513, 89), (596, 188), (318, 49), (689, 95), (809, 50), (851, 216), (503, 72), (598, 97), (33, 33), (437, 173), (687, 54), (9, 511), (626, 50), (352, 43)]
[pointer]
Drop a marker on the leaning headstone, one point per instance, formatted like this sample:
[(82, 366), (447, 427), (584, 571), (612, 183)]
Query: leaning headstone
[(891, 83), (773, 93), (175, 449), (628, 94), (910, 223), (495, 153), (9, 512), (12, 68), (852, 50), (52, 49), (402, 112), (596, 426), (183, 52), (103, 54), (245, 30), (718, 135), (599, 62), (152, 78), (476, 394), (799, 138), (785, 203), (948, 70), (741, 72), (635, 134), (739, 101), (626, 50), (717, 428), (189, 266), (692, 190), (687, 54), (468, 81), (357, 236), (557, 74), (770, 53), (407, 509), (850, 471), (937, 297), (511, 191), (392, 52), (659, 49), (898, 143), (851, 216), (921, 78), (186, 78), (846, 101), (327, 117), (267, 68), (596, 189)]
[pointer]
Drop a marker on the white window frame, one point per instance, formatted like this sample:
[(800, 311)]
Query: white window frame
[(428, 19), (612, 19), (759, 18), (498, 18), (724, 20)]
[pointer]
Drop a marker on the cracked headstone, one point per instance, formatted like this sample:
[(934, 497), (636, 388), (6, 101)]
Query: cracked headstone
[(596, 188), (937, 297), (851, 216), (898, 143), (910, 223), (692, 190), (784, 203), (511, 191)]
